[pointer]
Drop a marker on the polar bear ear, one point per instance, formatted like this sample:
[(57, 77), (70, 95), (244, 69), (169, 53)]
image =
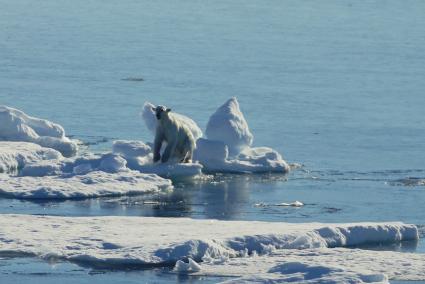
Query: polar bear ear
[(168, 110)]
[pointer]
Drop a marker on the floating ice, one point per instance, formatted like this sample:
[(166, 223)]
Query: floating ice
[(16, 155), (228, 125), (15, 125), (183, 267), (139, 157), (284, 204), (92, 184), (145, 241), (150, 120), (213, 155)]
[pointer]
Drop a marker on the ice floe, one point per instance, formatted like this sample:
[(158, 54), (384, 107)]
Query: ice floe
[(15, 156), (214, 156), (139, 157), (145, 241), (15, 125), (88, 185), (228, 147)]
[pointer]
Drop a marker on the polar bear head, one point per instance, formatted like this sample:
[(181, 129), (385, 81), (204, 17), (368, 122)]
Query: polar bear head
[(161, 111)]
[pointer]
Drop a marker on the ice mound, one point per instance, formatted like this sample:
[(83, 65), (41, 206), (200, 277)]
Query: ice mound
[(150, 120), (139, 157), (15, 156), (117, 241), (15, 125), (228, 125), (91, 184), (214, 156)]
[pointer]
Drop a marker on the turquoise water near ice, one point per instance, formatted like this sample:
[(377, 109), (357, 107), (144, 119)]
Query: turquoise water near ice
[(337, 86)]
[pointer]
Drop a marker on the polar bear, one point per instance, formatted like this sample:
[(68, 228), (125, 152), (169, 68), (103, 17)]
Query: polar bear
[(179, 138)]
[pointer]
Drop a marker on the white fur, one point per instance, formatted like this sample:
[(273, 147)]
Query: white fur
[(179, 139)]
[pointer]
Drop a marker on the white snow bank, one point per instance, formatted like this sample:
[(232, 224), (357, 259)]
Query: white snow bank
[(144, 241), (150, 120), (15, 125), (139, 157), (228, 125), (92, 184), (214, 156), (323, 265), (16, 155)]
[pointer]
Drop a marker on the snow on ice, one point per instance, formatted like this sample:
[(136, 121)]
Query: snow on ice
[(228, 147), (252, 251), (139, 157), (92, 184), (16, 155), (228, 125), (17, 126)]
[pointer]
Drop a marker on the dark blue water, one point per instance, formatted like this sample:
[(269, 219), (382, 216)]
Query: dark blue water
[(336, 86)]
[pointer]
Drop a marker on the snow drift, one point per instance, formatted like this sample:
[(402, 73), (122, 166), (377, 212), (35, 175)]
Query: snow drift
[(15, 125)]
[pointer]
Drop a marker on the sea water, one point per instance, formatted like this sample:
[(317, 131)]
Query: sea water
[(336, 86)]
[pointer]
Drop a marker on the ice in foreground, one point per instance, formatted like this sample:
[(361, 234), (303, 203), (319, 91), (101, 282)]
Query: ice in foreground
[(15, 125), (145, 242), (323, 265)]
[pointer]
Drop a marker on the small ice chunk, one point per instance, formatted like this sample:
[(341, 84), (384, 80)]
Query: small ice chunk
[(228, 124), (292, 204), (15, 125), (148, 116), (183, 267)]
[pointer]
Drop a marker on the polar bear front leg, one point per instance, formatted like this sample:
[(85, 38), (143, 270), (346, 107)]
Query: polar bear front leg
[(157, 146), (171, 147)]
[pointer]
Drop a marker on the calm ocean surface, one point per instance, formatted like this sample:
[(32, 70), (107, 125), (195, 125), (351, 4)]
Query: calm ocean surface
[(337, 86)]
